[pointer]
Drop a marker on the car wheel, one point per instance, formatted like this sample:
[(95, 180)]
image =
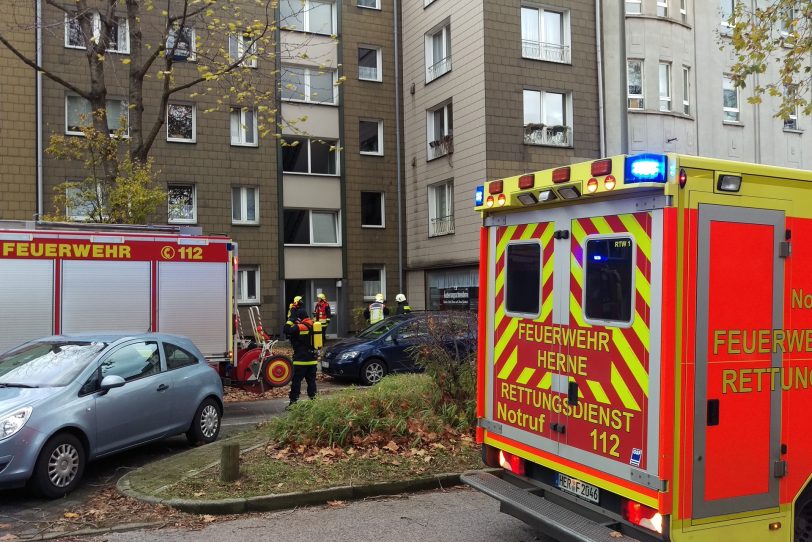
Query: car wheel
[(372, 371), (206, 424), (60, 466), (803, 518)]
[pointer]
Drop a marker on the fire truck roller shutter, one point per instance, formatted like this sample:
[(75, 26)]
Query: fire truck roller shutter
[(193, 301), (105, 296), (26, 301)]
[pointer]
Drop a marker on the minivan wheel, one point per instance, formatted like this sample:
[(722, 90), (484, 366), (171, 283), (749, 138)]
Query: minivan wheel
[(372, 371), (803, 518), (206, 424), (60, 466)]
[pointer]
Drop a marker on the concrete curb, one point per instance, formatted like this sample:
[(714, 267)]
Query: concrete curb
[(91, 532)]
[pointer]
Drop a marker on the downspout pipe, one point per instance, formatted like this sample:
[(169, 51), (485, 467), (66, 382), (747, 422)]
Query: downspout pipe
[(624, 69), (38, 26), (396, 49), (599, 51)]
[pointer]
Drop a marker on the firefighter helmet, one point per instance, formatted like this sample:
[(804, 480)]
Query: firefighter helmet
[(400, 298), (379, 298)]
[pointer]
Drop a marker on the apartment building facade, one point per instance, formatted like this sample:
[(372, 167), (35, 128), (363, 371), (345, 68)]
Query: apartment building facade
[(491, 88)]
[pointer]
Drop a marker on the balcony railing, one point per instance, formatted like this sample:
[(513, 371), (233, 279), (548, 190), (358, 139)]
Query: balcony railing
[(540, 134), (365, 72), (550, 52), (441, 147), (443, 225), (438, 68)]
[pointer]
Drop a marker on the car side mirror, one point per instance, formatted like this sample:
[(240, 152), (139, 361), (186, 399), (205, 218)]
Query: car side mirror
[(111, 381)]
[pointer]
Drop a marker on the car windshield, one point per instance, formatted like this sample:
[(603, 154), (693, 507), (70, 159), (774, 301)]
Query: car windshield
[(46, 364), (376, 330)]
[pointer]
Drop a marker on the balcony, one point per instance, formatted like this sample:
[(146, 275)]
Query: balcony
[(441, 147), (437, 69), (549, 52), (441, 226), (541, 134)]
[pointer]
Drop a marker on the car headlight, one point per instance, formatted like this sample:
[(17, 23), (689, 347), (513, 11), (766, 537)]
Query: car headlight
[(352, 354), (14, 422)]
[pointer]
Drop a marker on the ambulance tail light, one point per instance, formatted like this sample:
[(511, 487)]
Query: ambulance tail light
[(527, 181), (592, 185), (501, 200), (729, 183), (683, 178), (642, 516), (569, 192), (547, 195), (609, 182), (527, 198), (601, 167), (512, 463), (495, 187), (489, 202), (561, 175), (646, 168)]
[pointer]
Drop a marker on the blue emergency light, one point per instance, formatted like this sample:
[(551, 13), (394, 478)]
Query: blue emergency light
[(646, 168), (479, 197)]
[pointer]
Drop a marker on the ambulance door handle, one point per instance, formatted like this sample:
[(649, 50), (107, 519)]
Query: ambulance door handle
[(713, 412), (572, 393)]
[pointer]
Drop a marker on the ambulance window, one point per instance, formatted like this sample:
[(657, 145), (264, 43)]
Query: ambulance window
[(523, 278), (608, 291)]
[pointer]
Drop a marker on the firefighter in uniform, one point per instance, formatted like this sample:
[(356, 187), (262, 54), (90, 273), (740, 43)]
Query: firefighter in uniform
[(322, 312), (376, 311), (299, 331), (403, 308)]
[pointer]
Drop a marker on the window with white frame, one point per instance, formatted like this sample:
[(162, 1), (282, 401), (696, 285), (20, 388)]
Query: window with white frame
[(312, 85), (370, 137), (726, 11), (314, 16), (314, 156), (441, 208), (730, 100), (547, 118), (634, 82), (244, 126), (82, 203), (438, 52), (665, 86), (440, 131), (369, 64), (310, 227), (182, 200), (374, 279), (248, 284), (181, 44), (372, 210), (244, 205), (78, 114), (241, 46), (546, 34), (683, 10), (686, 90), (791, 122), (634, 7), (181, 123), (373, 4), (662, 8), (117, 31)]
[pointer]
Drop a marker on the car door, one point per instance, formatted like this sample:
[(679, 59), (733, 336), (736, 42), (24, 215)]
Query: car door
[(140, 410), (398, 348), (187, 380)]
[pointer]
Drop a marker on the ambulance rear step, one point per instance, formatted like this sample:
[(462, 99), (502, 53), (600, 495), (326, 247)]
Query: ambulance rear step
[(552, 519)]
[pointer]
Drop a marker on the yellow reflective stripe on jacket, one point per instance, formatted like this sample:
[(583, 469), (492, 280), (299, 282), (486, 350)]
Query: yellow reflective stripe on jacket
[(314, 362)]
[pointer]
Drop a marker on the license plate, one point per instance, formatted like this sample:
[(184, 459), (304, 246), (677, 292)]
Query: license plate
[(579, 488), (325, 364)]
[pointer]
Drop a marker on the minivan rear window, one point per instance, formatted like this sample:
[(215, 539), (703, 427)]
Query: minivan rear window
[(523, 278), (609, 286)]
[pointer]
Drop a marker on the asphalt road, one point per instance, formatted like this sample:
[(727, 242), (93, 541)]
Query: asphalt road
[(455, 515)]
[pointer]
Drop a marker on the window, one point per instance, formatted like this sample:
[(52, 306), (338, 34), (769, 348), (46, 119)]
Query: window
[(81, 204), (372, 210), (374, 4), (311, 85), (181, 124), (118, 32), (369, 64), (791, 122), (438, 53), (177, 357), (182, 204), (665, 86), (662, 8), (545, 35), (248, 284), (78, 115), (374, 277), (244, 127), (181, 44), (370, 137), (133, 361), (683, 10), (316, 16), (726, 11), (635, 84), (237, 44), (547, 118), (304, 227), (523, 278), (608, 288), (686, 90), (439, 131), (730, 100), (244, 205), (441, 209), (633, 7), (314, 156)]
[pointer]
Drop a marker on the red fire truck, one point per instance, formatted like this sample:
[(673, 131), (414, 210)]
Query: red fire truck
[(645, 349), (74, 278)]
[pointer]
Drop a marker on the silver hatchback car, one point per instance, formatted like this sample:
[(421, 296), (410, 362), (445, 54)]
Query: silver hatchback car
[(67, 400)]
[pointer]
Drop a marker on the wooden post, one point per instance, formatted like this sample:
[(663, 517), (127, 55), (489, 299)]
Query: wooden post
[(230, 462)]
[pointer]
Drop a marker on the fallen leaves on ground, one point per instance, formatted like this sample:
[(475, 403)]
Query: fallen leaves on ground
[(239, 395), (7, 537), (336, 504)]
